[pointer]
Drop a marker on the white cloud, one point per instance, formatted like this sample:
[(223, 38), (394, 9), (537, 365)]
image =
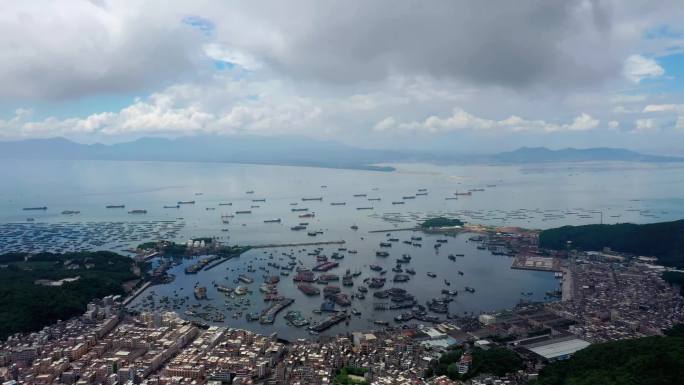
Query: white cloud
[(385, 124), (679, 108), (644, 126), (226, 107), (583, 122), (638, 67), (461, 120), (221, 53), (613, 124)]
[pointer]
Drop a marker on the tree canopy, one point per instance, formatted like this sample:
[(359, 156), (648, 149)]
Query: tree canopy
[(27, 306), (664, 240), (644, 361)]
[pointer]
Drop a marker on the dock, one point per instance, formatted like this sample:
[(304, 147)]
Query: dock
[(568, 285), (522, 262), (219, 261)]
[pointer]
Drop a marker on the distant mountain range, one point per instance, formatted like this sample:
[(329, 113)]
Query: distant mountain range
[(295, 151), (544, 155), (289, 150)]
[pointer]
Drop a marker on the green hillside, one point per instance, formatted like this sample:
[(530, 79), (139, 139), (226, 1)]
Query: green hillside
[(664, 240), (27, 306), (644, 361)]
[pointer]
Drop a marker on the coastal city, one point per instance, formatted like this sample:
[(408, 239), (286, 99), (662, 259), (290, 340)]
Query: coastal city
[(306, 192), (605, 296)]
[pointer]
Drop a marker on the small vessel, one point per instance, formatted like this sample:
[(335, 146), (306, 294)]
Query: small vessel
[(172, 207), (431, 274), (354, 227), (138, 211), (115, 206), (200, 292), (70, 212), (277, 220), (35, 208), (186, 202), (243, 212)]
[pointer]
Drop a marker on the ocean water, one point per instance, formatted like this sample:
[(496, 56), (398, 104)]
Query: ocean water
[(533, 196)]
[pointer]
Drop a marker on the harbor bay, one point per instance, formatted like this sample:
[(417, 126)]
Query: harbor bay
[(119, 205)]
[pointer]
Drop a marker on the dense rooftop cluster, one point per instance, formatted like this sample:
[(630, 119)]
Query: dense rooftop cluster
[(612, 301), (606, 297)]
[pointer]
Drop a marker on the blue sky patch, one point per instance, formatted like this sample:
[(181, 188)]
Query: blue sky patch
[(203, 24)]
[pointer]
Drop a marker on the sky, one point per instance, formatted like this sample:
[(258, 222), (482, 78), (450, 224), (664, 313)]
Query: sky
[(463, 76)]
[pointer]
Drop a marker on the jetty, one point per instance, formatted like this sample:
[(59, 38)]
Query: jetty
[(393, 230), (296, 244), (136, 293)]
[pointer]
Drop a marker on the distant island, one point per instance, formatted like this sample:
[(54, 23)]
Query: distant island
[(40, 289), (440, 222), (663, 240), (295, 151)]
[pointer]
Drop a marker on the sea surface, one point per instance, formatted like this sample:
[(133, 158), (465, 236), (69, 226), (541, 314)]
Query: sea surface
[(532, 196)]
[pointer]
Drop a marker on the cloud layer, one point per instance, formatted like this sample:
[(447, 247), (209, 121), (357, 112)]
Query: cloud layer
[(365, 73)]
